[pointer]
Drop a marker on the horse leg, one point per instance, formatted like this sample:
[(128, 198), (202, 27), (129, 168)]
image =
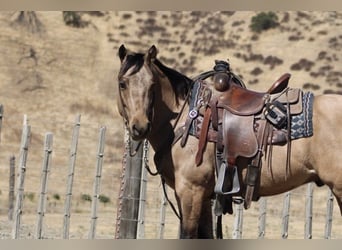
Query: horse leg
[(205, 227), (339, 202), (190, 203), (338, 195), (194, 187), (333, 180)]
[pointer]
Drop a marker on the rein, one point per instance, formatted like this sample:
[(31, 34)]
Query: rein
[(182, 109)]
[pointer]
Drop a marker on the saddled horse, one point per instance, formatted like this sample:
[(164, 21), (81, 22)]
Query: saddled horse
[(153, 100)]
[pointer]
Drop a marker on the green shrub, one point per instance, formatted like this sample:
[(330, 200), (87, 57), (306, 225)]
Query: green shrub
[(74, 19), (57, 197), (264, 21), (104, 199), (86, 197), (29, 196)]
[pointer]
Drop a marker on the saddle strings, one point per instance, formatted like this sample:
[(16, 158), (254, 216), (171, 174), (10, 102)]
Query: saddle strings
[(270, 151), (288, 158)]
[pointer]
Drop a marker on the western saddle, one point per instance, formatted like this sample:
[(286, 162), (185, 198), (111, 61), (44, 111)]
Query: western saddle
[(243, 123)]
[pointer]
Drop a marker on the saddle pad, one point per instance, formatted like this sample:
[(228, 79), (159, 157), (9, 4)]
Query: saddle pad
[(194, 95), (200, 94), (293, 97), (301, 124)]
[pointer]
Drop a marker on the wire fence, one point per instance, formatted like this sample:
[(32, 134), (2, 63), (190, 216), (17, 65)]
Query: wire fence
[(37, 202)]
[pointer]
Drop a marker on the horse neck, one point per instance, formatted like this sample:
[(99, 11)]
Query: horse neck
[(166, 111)]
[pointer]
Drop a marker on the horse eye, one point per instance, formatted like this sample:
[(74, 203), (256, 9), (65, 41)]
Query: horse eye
[(122, 85)]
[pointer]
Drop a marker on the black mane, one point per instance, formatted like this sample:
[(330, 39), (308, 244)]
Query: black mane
[(135, 60), (181, 84)]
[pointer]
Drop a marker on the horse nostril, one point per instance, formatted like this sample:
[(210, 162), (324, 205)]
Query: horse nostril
[(135, 130), (139, 132)]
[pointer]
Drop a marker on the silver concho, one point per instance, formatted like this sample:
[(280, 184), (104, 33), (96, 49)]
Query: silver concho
[(193, 113)]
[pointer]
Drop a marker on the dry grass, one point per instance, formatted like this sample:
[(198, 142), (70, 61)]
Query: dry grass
[(74, 73)]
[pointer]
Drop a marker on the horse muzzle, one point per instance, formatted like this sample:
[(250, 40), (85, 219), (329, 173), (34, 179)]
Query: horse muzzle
[(140, 131)]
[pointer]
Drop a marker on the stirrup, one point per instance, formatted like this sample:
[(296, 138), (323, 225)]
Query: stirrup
[(221, 178)]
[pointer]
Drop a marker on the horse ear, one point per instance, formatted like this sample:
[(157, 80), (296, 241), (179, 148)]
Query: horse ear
[(152, 54), (122, 52)]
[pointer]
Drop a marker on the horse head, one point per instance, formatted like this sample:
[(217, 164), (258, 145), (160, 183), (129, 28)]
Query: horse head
[(135, 90), (149, 92)]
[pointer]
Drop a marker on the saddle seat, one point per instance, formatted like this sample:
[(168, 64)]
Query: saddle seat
[(244, 102), (241, 101)]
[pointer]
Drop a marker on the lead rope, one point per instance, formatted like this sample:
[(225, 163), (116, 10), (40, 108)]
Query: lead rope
[(145, 159), (168, 200), (146, 146)]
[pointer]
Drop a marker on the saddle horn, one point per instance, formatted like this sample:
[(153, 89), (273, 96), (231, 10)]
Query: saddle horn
[(222, 76)]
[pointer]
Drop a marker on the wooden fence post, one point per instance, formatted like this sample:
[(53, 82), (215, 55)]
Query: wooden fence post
[(97, 182), (25, 140), (128, 204), (11, 196), (72, 161), (329, 215), (43, 183), (308, 212), (286, 216)]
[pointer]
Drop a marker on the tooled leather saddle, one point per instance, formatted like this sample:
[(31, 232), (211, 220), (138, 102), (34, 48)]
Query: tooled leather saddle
[(243, 124)]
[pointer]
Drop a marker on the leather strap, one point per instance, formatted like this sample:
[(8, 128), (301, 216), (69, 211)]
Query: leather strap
[(255, 165), (288, 158), (187, 126), (214, 112), (203, 137)]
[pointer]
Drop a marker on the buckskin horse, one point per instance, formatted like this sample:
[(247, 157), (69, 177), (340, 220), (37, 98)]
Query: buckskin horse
[(230, 141)]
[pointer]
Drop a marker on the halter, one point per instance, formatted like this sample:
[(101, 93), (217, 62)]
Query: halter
[(125, 118)]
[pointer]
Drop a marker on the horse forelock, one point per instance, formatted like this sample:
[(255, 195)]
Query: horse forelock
[(134, 61)]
